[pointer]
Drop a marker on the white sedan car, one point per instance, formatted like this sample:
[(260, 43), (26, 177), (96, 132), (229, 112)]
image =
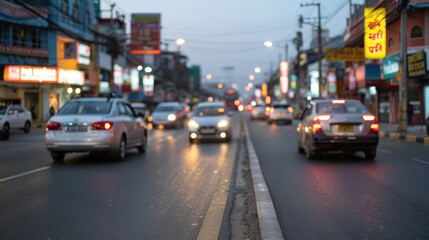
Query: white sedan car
[(14, 117), (105, 125), (210, 120)]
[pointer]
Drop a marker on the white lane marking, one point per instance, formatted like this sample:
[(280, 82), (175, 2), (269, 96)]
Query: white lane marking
[(24, 174), (420, 161), (384, 151)]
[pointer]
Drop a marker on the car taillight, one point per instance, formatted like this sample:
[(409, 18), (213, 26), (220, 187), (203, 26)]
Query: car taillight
[(104, 125), (317, 125), (51, 125), (374, 124)]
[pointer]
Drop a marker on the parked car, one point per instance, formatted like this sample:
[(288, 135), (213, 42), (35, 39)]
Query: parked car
[(95, 124), (210, 120), (259, 111), (14, 117), (280, 112), (141, 108), (337, 125), (168, 114)]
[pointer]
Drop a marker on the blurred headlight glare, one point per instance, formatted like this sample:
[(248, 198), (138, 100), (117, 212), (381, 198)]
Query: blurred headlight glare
[(193, 124), (171, 117), (222, 123)]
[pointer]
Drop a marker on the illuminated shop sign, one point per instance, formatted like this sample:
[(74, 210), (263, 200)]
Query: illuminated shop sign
[(84, 54), (72, 77), (284, 79), (30, 74), (416, 64), (148, 82), (375, 33)]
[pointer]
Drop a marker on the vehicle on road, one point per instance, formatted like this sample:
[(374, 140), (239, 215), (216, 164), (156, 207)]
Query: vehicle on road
[(259, 111), (210, 120), (141, 108), (14, 117), (337, 125), (95, 124), (280, 112), (168, 114), (231, 98)]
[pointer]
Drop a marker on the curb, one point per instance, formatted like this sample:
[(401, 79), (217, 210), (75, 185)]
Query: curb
[(269, 227), (404, 137)]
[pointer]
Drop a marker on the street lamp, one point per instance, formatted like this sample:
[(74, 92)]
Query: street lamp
[(179, 43), (271, 44)]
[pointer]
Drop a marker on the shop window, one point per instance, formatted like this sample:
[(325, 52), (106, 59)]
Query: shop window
[(35, 38), (19, 35), (2, 33), (416, 32), (75, 12), (391, 42), (64, 6)]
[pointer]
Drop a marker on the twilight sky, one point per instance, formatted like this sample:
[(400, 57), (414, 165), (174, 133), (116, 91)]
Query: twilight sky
[(225, 37)]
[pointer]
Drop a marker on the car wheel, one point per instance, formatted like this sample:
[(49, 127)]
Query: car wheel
[(370, 154), (122, 150), (310, 154), (58, 157), (142, 148), (27, 127), (300, 149), (6, 131)]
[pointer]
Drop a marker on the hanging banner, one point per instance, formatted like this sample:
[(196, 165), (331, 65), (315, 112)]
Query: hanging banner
[(375, 33)]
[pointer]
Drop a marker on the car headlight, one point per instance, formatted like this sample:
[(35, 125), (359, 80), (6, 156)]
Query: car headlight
[(222, 124), (171, 117), (193, 124)]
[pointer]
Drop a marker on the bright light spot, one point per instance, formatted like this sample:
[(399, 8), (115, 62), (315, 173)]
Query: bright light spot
[(219, 85), (193, 124), (139, 67), (223, 135), (250, 85), (193, 135), (69, 90), (240, 108), (308, 98), (77, 90), (268, 44), (251, 77), (209, 76), (210, 99), (147, 69), (257, 69), (171, 117), (180, 41), (237, 102), (222, 124)]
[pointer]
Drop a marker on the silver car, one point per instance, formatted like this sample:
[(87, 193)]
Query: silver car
[(14, 117), (337, 125), (210, 120), (107, 125), (280, 112), (168, 114)]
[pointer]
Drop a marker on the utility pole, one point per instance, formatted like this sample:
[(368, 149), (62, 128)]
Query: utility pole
[(402, 126), (319, 52)]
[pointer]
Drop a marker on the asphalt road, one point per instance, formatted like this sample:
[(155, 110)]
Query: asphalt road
[(176, 190), (341, 196)]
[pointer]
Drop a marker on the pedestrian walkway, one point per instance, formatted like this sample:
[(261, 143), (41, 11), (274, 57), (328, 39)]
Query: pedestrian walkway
[(415, 133)]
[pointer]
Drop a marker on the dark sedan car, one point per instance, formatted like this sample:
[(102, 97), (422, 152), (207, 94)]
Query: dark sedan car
[(337, 125)]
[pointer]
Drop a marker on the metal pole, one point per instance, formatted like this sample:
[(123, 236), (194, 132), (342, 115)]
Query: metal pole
[(321, 81), (286, 52), (402, 127)]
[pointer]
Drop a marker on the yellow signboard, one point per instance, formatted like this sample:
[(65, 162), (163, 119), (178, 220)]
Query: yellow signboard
[(375, 33), (345, 54)]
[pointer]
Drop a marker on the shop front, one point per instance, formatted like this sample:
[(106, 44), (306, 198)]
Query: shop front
[(42, 90)]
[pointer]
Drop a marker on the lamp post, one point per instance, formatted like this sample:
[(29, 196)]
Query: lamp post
[(286, 47)]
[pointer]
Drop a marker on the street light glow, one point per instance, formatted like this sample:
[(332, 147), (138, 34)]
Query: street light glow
[(268, 44), (257, 69), (180, 41), (209, 76), (139, 67), (251, 77)]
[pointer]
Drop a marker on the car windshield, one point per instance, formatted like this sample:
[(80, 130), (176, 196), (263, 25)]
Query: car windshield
[(210, 111), (166, 109), (346, 107), (90, 108), (3, 110), (281, 106)]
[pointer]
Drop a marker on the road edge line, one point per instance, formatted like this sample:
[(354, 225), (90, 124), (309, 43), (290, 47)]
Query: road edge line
[(269, 226)]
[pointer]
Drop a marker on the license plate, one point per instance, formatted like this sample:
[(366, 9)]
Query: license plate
[(208, 131), (346, 128), (76, 128)]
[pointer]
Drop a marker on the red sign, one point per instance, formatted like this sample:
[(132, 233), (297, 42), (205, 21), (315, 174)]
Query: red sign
[(145, 33)]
